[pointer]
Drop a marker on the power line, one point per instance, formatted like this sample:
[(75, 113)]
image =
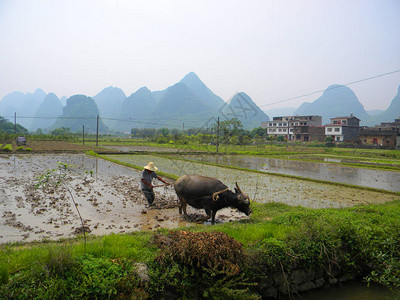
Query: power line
[(331, 88)]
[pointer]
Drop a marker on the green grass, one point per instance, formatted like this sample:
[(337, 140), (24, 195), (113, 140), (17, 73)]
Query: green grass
[(364, 241), (7, 148)]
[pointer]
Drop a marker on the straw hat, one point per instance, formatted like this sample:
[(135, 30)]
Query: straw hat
[(150, 166)]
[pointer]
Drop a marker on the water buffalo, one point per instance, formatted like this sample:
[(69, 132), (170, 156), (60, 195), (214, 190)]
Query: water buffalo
[(210, 194)]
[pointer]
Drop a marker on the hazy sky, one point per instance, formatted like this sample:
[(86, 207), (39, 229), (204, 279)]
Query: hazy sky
[(271, 50)]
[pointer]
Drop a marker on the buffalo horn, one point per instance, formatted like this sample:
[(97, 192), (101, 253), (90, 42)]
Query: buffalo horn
[(239, 188), (247, 198)]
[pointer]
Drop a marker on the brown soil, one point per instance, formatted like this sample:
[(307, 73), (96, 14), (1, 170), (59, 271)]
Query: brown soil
[(108, 197), (60, 146)]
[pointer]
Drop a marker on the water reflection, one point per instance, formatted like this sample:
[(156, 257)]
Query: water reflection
[(341, 174), (353, 290)]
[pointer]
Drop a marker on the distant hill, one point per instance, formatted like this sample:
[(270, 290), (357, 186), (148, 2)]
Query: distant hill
[(243, 108), (279, 112), (181, 105), (336, 101), (109, 102), (25, 105), (47, 113), (193, 82), (189, 101), (80, 111), (137, 107), (391, 113)]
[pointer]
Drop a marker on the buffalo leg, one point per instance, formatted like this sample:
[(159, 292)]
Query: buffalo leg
[(205, 218), (182, 207), (213, 217)]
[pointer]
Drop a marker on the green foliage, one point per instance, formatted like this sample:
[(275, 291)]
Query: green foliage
[(87, 278), (7, 148), (4, 273), (281, 138), (63, 131), (91, 153), (8, 127)]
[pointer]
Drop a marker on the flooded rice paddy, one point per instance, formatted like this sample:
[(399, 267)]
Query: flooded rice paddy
[(385, 180), (267, 187), (110, 200)]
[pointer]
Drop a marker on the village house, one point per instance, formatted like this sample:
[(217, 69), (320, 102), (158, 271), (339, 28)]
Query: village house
[(307, 128), (344, 129), (386, 135), (306, 133)]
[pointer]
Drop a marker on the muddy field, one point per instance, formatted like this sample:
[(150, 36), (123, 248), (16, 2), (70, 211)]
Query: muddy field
[(58, 146), (109, 200)]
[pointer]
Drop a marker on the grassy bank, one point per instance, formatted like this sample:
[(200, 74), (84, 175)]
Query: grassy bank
[(360, 242)]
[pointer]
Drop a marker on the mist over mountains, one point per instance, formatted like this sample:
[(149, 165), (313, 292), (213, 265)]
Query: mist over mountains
[(188, 103)]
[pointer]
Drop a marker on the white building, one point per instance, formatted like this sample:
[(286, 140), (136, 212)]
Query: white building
[(284, 125)]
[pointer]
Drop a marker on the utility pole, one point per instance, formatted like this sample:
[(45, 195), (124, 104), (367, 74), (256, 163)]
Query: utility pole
[(97, 131), (183, 128), (217, 134), (15, 122)]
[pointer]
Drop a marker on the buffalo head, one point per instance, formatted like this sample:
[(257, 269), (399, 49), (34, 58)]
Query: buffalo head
[(243, 201)]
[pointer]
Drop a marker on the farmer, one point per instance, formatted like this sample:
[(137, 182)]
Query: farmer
[(146, 185)]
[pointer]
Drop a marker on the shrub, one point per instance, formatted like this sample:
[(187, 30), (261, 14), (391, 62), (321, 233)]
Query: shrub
[(210, 264), (86, 278)]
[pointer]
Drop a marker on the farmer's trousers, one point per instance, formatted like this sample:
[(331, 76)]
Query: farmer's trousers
[(149, 194)]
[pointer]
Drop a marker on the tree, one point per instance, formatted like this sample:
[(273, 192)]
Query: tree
[(163, 131), (61, 131), (329, 141), (8, 127), (258, 131), (281, 138)]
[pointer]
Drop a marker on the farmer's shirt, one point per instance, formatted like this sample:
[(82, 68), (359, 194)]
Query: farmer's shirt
[(148, 177)]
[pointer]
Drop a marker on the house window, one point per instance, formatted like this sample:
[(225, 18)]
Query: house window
[(274, 124), (329, 129), (338, 138), (337, 129), (280, 129), (280, 124), (284, 124)]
